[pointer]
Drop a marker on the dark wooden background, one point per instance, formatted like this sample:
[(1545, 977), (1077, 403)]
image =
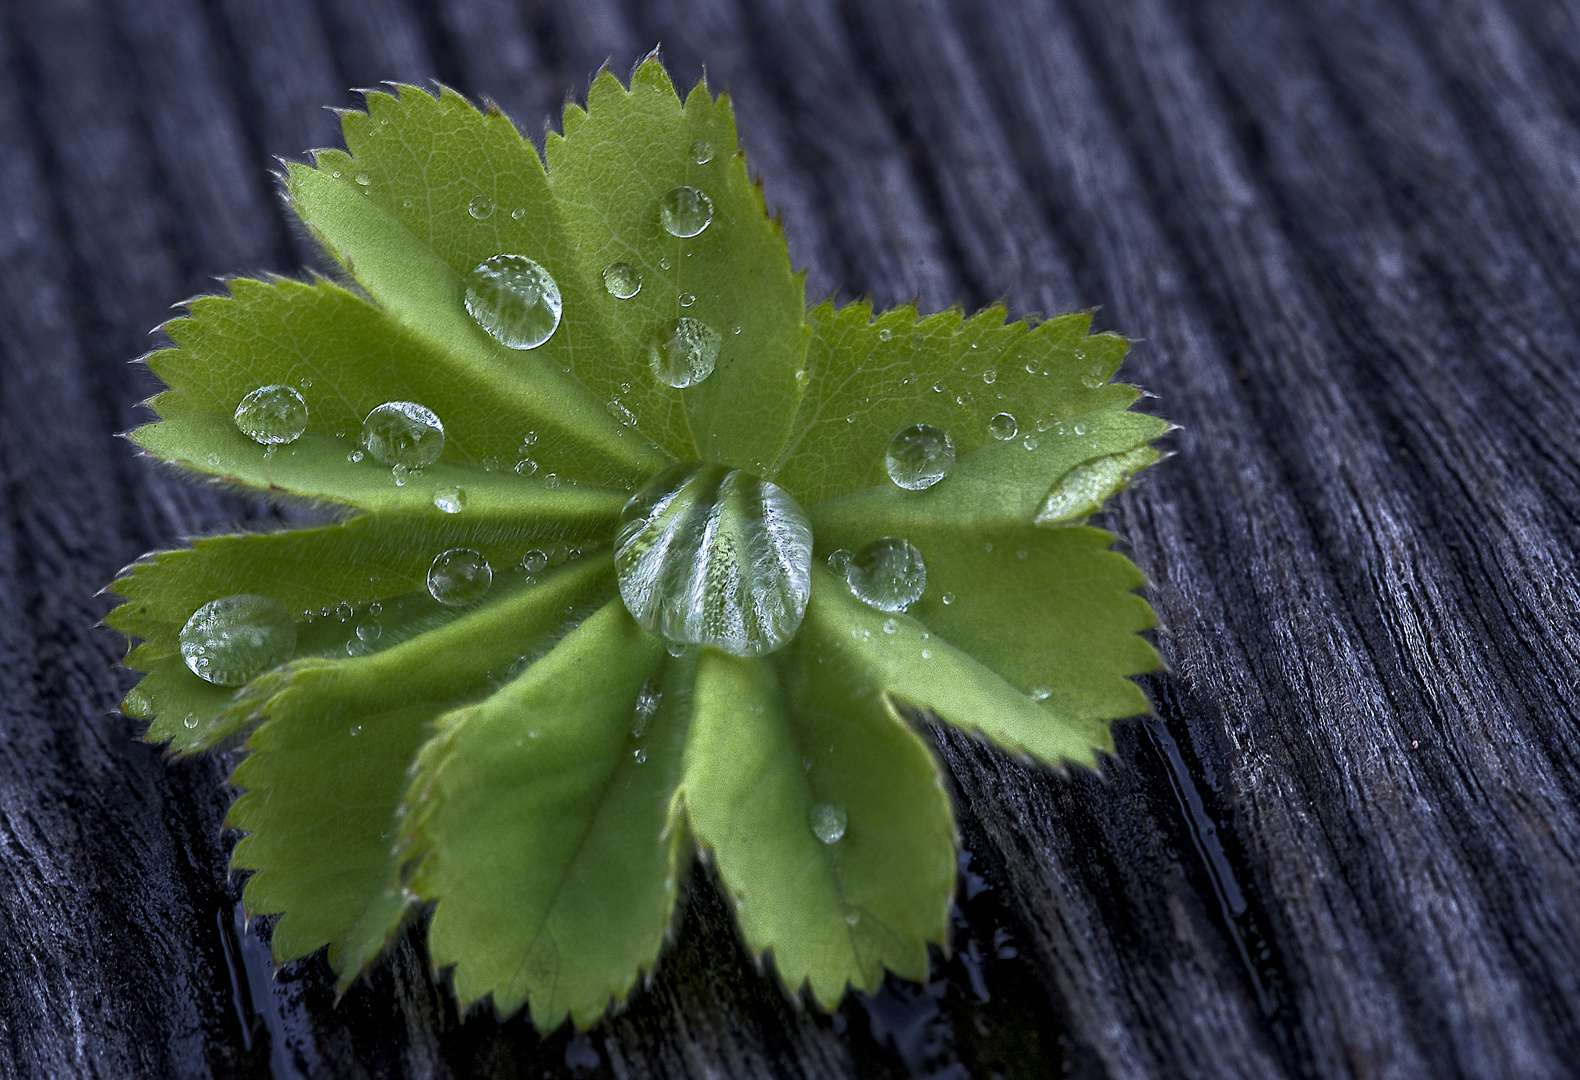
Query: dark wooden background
[(1348, 231)]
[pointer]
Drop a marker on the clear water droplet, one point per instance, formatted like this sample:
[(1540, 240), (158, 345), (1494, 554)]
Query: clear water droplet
[(919, 456), (891, 626), (356, 730), (663, 263), (459, 577), (839, 561), (647, 702), (1041, 692), (369, 631), (229, 640), (640, 755), (272, 414), (1095, 376), (885, 334), (403, 433), (828, 822), (481, 207), (191, 721), (518, 214), (621, 280), (1029, 442), (948, 598), (344, 611), (702, 151), (526, 467), (375, 608), (675, 648), (450, 498), (1003, 427), (355, 456), (685, 211), (989, 376), (888, 574), (687, 299), (713, 556), (684, 352), (535, 560), (515, 300), (363, 179), (618, 410)]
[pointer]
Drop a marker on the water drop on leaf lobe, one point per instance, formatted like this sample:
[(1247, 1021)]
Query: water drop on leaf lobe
[(230, 640), (272, 415), (919, 456), (683, 353), (887, 574), (459, 577), (685, 211), (515, 300)]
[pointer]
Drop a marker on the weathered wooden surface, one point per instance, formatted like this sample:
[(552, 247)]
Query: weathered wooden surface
[(1349, 233)]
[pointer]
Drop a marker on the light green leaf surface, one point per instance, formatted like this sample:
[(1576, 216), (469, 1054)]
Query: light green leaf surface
[(532, 765)]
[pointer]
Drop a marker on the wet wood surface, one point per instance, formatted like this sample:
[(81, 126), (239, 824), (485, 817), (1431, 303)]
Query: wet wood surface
[(1348, 232)]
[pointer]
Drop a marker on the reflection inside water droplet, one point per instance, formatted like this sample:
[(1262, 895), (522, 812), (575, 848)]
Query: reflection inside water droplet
[(621, 280), (404, 434), (919, 456), (459, 577), (887, 574), (684, 352), (230, 640), (685, 211), (515, 300), (271, 415), (481, 207)]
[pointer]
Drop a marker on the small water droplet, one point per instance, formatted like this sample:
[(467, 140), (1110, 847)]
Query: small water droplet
[(363, 179), (964, 399), (450, 498), (675, 648), (355, 456), (948, 598), (1029, 442), (687, 299), (888, 574), (191, 721), (989, 376), (647, 701), (1095, 376), (828, 822), (1041, 692), (344, 611), (515, 300), (526, 467), (518, 214), (640, 755), (272, 414), (621, 280), (685, 211), (403, 433), (1003, 427), (551, 481), (927, 654), (481, 207), (618, 410), (535, 560), (356, 730), (885, 334), (890, 626), (802, 379), (852, 918), (919, 456), (684, 352), (839, 561), (459, 577), (407, 203), (663, 263), (229, 640), (369, 631), (491, 463), (702, 151), (375, 608)]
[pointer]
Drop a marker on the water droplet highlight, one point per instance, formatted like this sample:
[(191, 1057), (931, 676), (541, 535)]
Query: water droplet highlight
[(481, 207), (713, 556), (271, 415), (228, 641), (919, 456), (515, 300), (621, 280), (403, 433), (685, 211), (684, 352), (828, 822), (1003, 427), (887, 574), (459, 577), (450, 498)]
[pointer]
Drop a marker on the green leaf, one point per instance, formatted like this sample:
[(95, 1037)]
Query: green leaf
[(513, 752)]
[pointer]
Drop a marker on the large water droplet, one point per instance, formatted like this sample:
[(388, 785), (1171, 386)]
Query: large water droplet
[(515, 300), (713, 556), (919, 456), (685, 211), (229, 640), (459, 577), (622, 280), (828, 822), (888, 574), (684, 352), (403, 433), (272, 415)]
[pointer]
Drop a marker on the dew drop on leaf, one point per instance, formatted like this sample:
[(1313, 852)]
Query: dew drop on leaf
[(363, 179), (618, 410), (714, 556), (369, 631), (459, 577), (1041, 693), (885, 334), (887, 574), (1003, 427), (450, 498), (481, 207), (229, 640), (1029, 442), (526, 467), (534, 560), (647, 702), (640, 755), (687, 299), (621, 280), (684, 352), (271, 415), (828, 822), (839, 561), (919, 456), (515, 300), (702, 151), (403, 433), (685, 211)]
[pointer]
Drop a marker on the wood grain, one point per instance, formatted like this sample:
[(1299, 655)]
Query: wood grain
[(1348, 235)]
